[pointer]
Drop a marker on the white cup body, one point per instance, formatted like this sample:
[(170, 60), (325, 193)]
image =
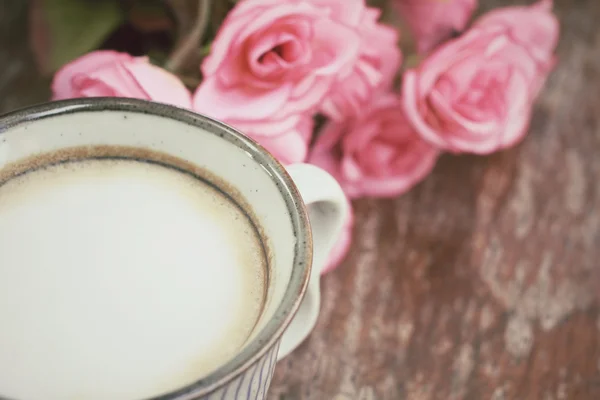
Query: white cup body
[(264, 184)]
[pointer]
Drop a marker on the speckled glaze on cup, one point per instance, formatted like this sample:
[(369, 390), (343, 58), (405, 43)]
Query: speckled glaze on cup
[(280, 206)]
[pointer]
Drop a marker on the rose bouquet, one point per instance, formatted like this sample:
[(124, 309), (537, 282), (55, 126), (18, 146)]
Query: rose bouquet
[(318, 81)]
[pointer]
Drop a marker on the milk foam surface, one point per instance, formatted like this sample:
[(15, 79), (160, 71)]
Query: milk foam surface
[(120, 280)]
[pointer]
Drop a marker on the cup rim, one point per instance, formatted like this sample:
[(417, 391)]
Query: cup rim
[(296, 288)]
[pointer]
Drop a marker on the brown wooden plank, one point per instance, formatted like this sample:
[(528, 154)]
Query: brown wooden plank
[(483, 282)]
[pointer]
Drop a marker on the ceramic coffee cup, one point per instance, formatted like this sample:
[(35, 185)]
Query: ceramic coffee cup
[(299, 208)]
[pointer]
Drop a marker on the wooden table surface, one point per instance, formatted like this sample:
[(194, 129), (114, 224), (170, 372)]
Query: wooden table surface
[(481, 283)]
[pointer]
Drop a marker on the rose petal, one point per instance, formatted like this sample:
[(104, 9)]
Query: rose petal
[(238, 103), (159, 85), (433, 21)]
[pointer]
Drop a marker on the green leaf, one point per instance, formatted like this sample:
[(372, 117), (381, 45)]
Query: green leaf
[(157, 57), (77, 27), (205, 50)]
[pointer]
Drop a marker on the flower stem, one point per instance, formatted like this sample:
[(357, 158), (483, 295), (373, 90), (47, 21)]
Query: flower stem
[(190, 43)]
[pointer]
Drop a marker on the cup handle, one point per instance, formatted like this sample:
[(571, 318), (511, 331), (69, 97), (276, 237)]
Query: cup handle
[(327, 208)]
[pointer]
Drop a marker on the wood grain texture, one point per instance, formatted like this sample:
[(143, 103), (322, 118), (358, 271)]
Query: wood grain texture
[(484, 281), (481, 283)]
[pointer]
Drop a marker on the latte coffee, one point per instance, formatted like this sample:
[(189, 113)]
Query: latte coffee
[(122, 275)]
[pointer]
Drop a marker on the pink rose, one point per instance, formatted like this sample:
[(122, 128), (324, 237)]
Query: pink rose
[(289, 144), (534, 27), (374, 71), (341, 247), (276, 59), (378, 154), (433, 21), (475, 93), (113, 74)]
